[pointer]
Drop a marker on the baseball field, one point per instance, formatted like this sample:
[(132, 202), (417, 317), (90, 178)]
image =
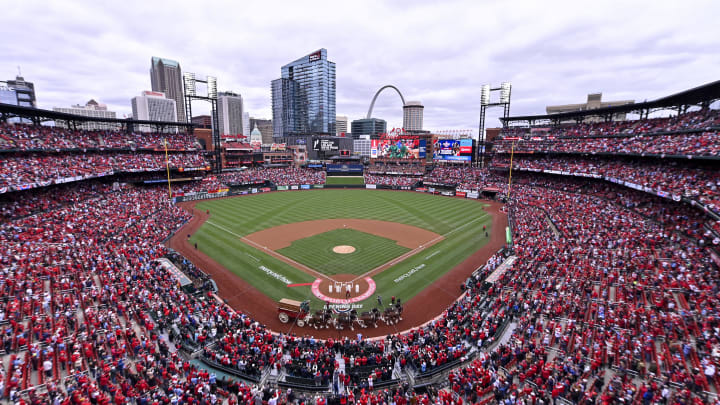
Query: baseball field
[(340, 239)]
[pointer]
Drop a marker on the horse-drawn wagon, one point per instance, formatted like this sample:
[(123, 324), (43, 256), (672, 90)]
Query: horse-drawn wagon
[(293, 310)]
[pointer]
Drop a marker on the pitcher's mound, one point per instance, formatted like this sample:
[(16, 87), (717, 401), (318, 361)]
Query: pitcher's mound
[(343, 249)]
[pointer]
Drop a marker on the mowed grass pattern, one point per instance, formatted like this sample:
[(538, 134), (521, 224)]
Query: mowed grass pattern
[(317, 252), (459, 220)]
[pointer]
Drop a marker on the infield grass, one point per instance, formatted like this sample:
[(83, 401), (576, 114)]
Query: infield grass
[(317, 251), (460, 221)]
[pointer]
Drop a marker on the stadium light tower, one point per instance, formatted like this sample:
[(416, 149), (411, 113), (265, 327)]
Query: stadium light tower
[(191, 94), (485, 102)]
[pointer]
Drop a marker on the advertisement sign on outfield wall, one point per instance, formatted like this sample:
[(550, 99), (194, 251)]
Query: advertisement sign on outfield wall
[(371, 186), (282, 188)]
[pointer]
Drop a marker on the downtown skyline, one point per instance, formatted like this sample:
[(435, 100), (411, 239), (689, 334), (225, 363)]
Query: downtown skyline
[(553, 53)]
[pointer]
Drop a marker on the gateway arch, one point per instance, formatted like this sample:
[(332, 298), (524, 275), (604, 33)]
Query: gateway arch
[(372, 104)]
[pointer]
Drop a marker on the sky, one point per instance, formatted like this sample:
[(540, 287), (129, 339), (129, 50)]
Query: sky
[(438, 52)]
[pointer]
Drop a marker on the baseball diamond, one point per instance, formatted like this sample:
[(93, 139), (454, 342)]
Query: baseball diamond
[(291, 237)]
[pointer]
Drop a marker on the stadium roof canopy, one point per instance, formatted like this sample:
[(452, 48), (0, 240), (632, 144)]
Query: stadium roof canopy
[(701, 95), (38, 115)]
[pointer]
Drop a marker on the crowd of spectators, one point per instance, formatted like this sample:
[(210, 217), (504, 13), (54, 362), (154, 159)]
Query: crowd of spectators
[(588, 296), (395, 169), (606, 282), (25, 137), (463, 177), (24, 203), (34, 169), (280, 176), (604, 289), (688, 144), (699, 183), (391, 181), (705, 119)]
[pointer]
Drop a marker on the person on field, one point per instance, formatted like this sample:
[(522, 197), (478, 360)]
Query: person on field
[(379, 298), (347, 291)]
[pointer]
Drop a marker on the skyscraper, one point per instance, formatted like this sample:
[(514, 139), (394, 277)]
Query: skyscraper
[(153, 106), (246, 122), (230, 113), (413, 116), (303, 98), (166, 77)]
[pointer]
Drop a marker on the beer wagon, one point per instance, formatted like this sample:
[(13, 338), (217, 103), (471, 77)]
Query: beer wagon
[(293, 310)]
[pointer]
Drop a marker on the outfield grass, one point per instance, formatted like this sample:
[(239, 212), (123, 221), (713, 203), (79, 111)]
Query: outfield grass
[(317, 253), (341, 180), (460, 221)]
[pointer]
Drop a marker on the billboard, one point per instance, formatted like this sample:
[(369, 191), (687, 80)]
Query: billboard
[(398, 148), (326, 145), (453, 149)]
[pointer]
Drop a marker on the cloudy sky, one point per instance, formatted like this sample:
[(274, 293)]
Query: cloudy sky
[(439, 52)]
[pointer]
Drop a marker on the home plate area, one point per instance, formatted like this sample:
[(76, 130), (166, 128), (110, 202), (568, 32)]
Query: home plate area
[(343, 289)]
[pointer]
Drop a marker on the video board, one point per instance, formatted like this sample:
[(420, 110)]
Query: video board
[(398, 148), (453, 149)]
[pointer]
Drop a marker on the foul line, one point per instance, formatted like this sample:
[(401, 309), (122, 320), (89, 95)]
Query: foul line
[(418, 249), (273, 253)]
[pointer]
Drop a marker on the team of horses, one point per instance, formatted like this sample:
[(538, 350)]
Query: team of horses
[(347, 320)]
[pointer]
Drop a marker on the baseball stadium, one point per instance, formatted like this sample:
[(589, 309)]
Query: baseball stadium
[(572, 257)]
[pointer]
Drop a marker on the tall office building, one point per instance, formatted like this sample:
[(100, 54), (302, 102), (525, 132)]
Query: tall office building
[(230, 113), (91, 109), (166, 77), (153, 106), (246, 122), (303, 98), (341, 125), (413, 116)]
